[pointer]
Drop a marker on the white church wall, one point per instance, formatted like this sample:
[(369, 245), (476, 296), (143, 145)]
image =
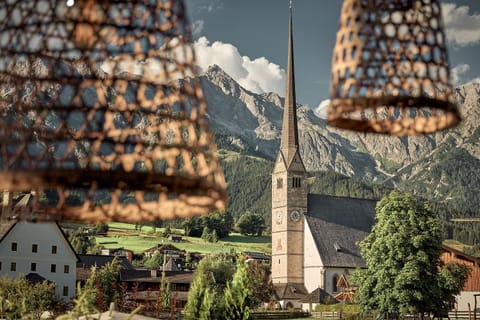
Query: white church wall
[(312, 262)]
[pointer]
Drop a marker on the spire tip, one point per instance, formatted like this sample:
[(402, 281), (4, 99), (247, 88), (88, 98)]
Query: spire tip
[(290, 4)]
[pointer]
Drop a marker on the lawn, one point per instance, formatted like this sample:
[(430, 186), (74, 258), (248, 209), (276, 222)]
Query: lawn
[(124, 235)]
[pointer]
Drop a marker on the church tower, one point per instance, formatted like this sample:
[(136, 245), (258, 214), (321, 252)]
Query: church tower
[(289, 191)]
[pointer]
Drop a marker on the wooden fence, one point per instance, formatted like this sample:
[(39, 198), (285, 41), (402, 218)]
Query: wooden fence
[(266, 315)]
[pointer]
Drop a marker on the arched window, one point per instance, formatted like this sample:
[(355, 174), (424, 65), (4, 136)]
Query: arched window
[(334, 283)]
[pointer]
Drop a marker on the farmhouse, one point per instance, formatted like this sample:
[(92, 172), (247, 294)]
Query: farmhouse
[(46, 257)]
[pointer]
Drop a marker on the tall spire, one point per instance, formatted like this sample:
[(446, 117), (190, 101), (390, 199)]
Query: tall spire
[(289, 143)]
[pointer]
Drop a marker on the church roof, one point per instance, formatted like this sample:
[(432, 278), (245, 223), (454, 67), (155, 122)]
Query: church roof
[(337, 225), (289, 142), (318, 296), (289, 291)]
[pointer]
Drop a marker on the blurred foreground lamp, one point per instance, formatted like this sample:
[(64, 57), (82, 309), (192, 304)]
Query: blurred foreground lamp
[(102, 113), (390, 69)]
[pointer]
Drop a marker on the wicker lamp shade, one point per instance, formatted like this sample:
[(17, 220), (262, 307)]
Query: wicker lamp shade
[(390, 69), (102, 113)]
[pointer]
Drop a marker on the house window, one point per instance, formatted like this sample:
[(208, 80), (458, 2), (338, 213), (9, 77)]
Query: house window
[(279, 183), (53, 268), (54, 249), (0, 265), (334, 283), (14, 246), (65, 291), (33, 266), (66, 269), (13, 266), (34, 247)]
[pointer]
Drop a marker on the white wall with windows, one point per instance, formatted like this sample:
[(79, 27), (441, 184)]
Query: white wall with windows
[(39, 248)]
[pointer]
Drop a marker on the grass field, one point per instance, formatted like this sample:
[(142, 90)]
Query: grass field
[(124, 235)]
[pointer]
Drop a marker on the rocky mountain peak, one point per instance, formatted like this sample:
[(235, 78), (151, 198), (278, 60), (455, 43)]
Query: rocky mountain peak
[(220, 78)]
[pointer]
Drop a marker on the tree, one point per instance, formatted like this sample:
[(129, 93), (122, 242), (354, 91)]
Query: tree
[(103, 282), (20, 299), (451, 281), (210, 280), (237, 295), (200, 299), (154, 262), (220, 221), (81, 242), (209, 235), (259, 283), (402, 254), (251, 224)]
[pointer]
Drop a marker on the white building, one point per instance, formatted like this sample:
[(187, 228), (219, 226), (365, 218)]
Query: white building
[(38, 249)]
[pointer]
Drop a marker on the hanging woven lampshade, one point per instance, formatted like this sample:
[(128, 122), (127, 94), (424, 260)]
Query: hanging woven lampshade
[(102, 113), (390, 69)]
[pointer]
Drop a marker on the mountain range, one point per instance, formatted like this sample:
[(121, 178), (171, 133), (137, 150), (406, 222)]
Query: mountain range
[(444, 167)]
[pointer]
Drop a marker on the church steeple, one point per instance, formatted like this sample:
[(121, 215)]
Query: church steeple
[(289, 192), (289, 142)]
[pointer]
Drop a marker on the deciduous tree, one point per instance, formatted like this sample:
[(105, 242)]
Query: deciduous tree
[(251, 224), (402, 254)]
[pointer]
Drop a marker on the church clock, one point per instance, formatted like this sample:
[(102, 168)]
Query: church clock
[(295, 215), (279, 217)]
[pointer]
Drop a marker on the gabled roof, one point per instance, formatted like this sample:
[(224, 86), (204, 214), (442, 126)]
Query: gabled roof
[(289, 291), (5, 227), (35, 278), (318, 296), (256, 255), (337, 225)]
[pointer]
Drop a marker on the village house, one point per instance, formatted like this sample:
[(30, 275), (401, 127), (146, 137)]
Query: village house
[(38, 251), (466, 299)]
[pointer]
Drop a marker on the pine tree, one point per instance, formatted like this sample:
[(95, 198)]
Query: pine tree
[(237, 295), (200, 298)]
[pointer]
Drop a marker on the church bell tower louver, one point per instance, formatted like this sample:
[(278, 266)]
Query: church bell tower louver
[(289, 190)]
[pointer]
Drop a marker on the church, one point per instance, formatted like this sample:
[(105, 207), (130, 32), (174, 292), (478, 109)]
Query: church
[(314, 237)]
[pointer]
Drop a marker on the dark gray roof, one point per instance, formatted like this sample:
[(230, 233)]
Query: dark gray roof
[(35, 278), (146, 275), (337, 225), (318, 296), (90, 260), (289, 291)]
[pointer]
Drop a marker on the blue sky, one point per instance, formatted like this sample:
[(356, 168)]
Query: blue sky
[(248, 39)]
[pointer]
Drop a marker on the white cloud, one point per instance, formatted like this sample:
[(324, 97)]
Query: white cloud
[(462, 28), (321, 110), (457, 72), (197, 27), (258, 75), (476, 80)]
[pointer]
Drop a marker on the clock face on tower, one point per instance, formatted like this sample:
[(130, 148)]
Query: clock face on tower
[(279, 217), (295, 215)]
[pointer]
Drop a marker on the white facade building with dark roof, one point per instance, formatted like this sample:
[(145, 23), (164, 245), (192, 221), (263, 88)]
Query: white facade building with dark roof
[(38, 250)]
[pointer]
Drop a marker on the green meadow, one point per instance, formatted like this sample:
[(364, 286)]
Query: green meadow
[(124, 235)]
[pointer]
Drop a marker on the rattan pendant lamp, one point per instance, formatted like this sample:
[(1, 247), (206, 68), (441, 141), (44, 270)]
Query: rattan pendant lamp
[(102, 114), (390, 69)]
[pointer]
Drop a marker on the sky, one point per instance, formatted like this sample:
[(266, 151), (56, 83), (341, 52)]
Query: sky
[(249, 39)]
